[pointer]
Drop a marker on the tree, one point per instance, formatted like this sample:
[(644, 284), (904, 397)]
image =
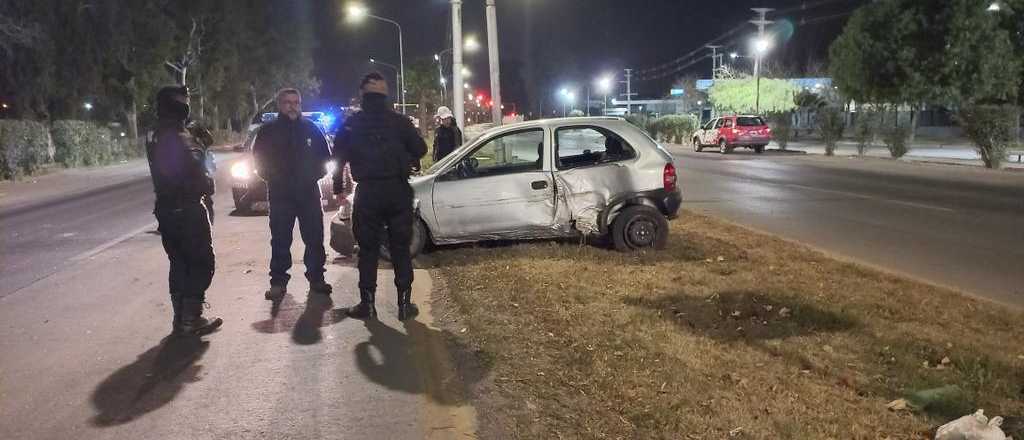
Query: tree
[(423, 87), (739, 95), (911, 52)]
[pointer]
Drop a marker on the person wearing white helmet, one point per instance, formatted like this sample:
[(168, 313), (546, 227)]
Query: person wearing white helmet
[(447, 137)]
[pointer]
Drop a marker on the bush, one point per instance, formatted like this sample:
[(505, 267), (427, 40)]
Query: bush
[(644, 124), (866, 129), (993, 128), (896, 141), (782, 128), (676, 128), (24, 147), (830, 126), (81, 143)]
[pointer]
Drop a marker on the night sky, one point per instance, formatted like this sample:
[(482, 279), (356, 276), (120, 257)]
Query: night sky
[(548, 44)]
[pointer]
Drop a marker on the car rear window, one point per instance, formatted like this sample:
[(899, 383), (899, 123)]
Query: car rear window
[(749, 121)]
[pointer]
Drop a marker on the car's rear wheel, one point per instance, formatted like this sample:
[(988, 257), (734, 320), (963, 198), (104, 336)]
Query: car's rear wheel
[(419, 241), (759, 149), (697, 146), (723, 147), (639, 227)]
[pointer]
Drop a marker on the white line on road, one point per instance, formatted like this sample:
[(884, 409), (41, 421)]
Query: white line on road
[(96, 250), (868, 197)]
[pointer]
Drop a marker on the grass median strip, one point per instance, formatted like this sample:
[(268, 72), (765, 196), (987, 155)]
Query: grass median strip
[(727, 333)]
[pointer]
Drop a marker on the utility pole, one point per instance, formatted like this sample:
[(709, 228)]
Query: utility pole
[(629, 91), (714, 60), (492, 60), (458, 92), (761, 23)]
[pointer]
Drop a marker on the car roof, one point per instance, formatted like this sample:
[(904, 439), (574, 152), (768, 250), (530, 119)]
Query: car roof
[(560, 122)]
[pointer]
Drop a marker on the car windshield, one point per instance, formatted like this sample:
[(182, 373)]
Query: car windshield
[(749, 121)]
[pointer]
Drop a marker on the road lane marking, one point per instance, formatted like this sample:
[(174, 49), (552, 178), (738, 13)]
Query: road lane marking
[(96, 250), (868, 197)]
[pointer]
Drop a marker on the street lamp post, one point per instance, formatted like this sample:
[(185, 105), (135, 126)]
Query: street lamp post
[(356, 12), (761, 45), (457, 92), (604, 85), (470, 45), (492, 61)]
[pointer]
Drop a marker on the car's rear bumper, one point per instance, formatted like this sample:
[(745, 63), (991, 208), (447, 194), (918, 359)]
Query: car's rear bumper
[(752, 140), (671, 201)]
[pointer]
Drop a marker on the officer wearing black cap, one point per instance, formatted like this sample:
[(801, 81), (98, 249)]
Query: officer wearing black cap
[(381, 147), (181, 180)]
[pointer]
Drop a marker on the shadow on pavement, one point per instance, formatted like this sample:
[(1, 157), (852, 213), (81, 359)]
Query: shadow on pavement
[(304, 323), (418, 361), (152, 381)]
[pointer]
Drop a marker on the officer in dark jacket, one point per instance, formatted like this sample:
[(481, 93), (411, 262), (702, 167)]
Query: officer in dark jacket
[(447, 137), (181, 181), (381, 147), (291, 154)]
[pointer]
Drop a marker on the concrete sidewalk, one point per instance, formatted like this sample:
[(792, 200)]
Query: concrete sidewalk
[(84, 354), (955, 153)]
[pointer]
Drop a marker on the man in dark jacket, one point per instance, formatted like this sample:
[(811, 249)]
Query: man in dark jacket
[(291, 154), (380, 146), (181, 181), (447, 137)]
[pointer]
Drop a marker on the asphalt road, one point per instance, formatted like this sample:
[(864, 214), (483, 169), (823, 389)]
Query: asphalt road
[(84, 352), (954, 226)]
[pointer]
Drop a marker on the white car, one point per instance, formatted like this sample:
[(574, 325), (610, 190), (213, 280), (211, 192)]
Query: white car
[(544, 179)]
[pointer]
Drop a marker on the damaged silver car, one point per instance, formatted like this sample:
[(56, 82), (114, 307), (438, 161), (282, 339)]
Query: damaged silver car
[(544, 179)]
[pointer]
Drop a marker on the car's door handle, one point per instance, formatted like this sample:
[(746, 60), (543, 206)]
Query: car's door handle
[(540, 184)]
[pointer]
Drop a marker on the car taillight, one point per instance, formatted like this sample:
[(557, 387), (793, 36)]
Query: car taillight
[(669, 177)]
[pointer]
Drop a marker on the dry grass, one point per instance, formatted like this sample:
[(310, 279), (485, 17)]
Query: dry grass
[(727, 334)]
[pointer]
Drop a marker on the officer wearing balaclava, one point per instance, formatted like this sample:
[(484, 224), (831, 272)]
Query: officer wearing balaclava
[(181, 181)]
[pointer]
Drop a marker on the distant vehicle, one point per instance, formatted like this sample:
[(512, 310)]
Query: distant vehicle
[(326, 121), (543, 179), (730, 132), (249, 191)]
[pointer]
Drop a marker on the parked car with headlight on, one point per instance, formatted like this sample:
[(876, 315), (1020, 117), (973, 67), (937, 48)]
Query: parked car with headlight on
[(544, 179), (249, 191)]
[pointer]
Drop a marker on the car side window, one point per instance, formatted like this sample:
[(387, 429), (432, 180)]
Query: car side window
[(508, 153), (710, 124), (585, 146), (728, 123), (719, 123)]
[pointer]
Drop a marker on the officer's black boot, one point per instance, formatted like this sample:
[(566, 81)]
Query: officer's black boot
[(365, 309), (406, 309), (192, 321), (176, 306)]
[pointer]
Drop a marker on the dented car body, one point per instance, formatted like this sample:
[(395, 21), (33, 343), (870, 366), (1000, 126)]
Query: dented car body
[(546, 179)]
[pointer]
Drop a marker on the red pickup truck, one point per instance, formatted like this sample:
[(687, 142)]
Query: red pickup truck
[(730, 132)]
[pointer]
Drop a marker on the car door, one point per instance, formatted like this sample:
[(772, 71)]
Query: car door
[(707, 135), (503, 189), (592, 166)]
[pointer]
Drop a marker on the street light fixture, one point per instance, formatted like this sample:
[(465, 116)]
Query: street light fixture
[(88, 106), (358, 12), (466, 73), (994, 7)]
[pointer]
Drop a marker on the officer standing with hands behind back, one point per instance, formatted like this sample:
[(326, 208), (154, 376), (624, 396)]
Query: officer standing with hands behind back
[(381, 147)]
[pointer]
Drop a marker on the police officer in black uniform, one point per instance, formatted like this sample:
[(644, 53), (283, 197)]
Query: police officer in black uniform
[(177, 163), (381, 147), (291, 155), (205, 138)]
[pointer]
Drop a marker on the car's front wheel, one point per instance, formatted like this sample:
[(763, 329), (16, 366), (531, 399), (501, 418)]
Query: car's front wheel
[(241, 206), (759, 149), (697, 147), (723, 147), (639, 227), (419, 241)]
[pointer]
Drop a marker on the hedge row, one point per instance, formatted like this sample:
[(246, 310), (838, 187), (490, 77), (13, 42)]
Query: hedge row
[(27, 145), (668, 128), (24, 147)]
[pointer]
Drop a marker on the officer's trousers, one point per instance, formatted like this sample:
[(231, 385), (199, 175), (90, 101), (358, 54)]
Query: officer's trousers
[(288, 204), (185, 231), (381, 204)]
